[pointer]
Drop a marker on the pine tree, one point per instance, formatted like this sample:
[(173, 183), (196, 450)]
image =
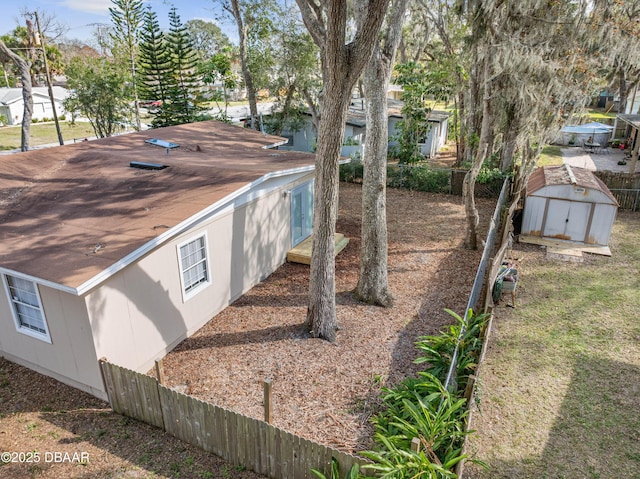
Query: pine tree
[(127, 16), (185, 88), (155, 68)]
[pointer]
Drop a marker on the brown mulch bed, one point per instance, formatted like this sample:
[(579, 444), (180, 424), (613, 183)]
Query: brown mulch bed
[(327, 392)]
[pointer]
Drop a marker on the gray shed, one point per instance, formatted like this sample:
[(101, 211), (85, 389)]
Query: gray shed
[(568, 203)]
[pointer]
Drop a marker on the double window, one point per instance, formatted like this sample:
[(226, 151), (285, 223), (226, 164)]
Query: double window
[(27, 307), (194, 266)]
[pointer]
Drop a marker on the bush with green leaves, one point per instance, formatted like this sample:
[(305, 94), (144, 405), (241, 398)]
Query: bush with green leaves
[(438, 350), (421, 407), (354, 472), (353, 171), (418, 178)]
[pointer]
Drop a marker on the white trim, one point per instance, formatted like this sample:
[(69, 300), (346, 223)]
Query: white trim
[(187, 295), (43, 282), (46, 337)]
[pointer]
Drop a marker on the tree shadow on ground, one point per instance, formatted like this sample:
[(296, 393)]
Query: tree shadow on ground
[(59, 418), (596, 433)]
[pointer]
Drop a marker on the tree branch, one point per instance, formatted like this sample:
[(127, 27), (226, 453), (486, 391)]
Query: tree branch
[(313, 20)]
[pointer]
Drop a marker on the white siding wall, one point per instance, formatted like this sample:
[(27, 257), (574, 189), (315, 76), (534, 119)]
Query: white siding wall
[(573, 204), (139, 314), (602, 224), (71, 357), (533, 215)]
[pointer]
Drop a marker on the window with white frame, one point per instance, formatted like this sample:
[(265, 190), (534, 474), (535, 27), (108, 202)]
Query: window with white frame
[(194, 265), (27, 307)]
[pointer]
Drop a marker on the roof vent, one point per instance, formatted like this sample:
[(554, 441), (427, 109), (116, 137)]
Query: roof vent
[(572, 177), (147, 166), (161, 143)]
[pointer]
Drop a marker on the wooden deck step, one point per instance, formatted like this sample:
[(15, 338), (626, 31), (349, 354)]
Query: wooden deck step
[(302, 252), (566, 248)]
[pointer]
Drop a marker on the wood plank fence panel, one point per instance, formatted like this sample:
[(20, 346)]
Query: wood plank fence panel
[(628, 199), (133, 394), (273, 452), (264, 452), (238, 439)]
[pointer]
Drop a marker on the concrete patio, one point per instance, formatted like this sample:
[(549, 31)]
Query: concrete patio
[(576, 156)]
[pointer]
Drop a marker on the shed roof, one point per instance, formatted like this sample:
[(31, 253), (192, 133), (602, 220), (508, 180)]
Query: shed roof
[(566, 175), (70, 212)]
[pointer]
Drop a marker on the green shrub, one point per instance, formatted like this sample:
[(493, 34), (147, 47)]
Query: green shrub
[(418, 178), (438, 350), (422, 408), (489, 175), (353, 171), (419, 409)]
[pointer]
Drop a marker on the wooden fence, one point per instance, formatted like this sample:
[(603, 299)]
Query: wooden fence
[(238, 439), (624, 187)]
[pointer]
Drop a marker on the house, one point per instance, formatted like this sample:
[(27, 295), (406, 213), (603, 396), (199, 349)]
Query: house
[(123, 247), (568, 204), (356, 126), (12, 104)]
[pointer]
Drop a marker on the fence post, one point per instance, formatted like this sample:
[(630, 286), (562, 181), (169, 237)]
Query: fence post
[(160, 371), (267, 401), (415, 445)]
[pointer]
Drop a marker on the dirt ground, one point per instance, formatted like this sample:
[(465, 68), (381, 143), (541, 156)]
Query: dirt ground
[(53, 431), (325, 392), (322, 391)]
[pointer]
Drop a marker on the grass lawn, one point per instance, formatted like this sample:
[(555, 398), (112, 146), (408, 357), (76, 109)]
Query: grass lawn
[(44, 133), (551, 156), (599, 115), (558, 392)]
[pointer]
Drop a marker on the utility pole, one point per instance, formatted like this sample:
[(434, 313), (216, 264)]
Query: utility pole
[(40, 42)]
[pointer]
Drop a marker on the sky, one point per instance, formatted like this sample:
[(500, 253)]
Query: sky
[(81, 16)]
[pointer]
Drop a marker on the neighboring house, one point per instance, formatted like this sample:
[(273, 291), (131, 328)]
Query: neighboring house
[(123, 247), (12, 104), (356, 126)]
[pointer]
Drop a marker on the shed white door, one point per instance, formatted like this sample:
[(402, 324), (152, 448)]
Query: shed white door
[(301, 212), (567, 220)]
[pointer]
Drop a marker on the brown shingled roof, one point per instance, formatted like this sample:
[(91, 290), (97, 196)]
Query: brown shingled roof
[(67, 213), (559, 175)]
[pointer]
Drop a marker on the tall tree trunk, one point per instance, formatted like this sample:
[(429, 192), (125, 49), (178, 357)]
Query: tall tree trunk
[(472, 107), (286, 108), (509, 140), (622, 86), (25, 76), (342, 65), (246, 73), (373, 284), (321, 314), (468, 187)]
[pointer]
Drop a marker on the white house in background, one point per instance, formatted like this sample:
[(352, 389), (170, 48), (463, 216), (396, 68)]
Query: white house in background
[(12, 104), (356, 127), (124, 246)]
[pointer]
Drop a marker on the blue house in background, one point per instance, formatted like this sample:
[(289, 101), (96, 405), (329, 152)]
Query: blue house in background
[(356, 127)]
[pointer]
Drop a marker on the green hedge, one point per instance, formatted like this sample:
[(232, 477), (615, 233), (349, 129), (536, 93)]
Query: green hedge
[(412, 177)]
